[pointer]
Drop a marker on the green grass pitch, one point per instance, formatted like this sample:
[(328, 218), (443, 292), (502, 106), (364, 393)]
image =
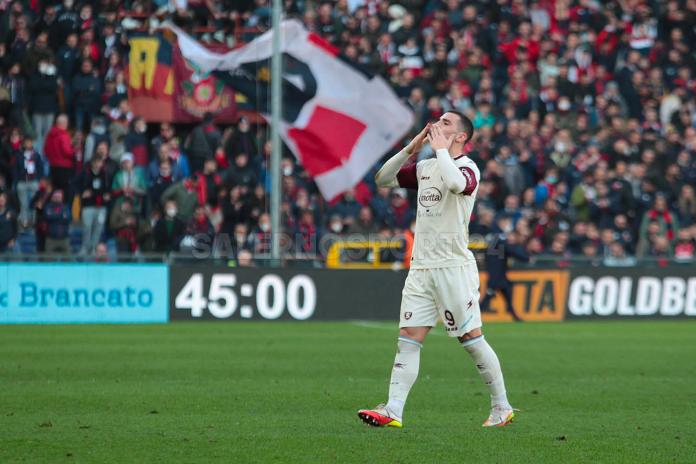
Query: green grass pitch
[(249, 392)]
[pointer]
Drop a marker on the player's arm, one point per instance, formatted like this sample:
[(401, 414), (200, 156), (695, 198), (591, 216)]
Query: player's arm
[(458, 180), (393, 174)]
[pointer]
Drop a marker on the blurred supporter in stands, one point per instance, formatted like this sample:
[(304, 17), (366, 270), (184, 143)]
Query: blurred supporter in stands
[(8, 225), (26, 172), (58, 217), (60, 154), (123, 224), (93, 185), (169, 230), (129, 183), (202, 142)]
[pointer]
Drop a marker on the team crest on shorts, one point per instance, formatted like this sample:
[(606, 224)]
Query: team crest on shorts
[(408, 315)]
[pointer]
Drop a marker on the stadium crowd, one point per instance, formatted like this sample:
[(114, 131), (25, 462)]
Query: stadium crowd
[(585, 117)]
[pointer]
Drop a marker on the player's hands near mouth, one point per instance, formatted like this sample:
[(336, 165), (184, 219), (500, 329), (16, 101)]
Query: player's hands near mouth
[(418, 141), (438, 140)]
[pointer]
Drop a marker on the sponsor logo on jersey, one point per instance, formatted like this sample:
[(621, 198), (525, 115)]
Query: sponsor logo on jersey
[(452, 329), (408, 315), (430, 197), (425, 177), (399, 366)]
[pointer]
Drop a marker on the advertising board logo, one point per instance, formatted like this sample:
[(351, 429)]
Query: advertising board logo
[(430, 197), (537, 295)]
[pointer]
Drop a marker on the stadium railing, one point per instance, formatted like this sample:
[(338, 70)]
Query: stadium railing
[(372, 259)]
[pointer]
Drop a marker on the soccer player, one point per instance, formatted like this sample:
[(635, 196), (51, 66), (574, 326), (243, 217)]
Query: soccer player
[(443, 280)]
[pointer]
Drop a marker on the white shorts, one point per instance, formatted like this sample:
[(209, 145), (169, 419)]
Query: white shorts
[(450, 293)]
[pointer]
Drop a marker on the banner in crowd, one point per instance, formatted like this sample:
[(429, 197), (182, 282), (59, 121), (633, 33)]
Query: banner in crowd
[(638, 292), (165, 87), (83, 293), (337, 118), (197, 92)]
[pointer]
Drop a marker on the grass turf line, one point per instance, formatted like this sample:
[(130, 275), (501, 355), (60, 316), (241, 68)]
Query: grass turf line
[(289, 392)]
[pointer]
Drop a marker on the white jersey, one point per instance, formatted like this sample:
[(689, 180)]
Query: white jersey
[(442, 223)]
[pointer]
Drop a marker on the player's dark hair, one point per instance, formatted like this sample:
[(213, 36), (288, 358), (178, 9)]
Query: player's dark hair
[(465, 125)]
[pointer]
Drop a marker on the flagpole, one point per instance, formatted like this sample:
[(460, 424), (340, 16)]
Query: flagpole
[(276, 108)]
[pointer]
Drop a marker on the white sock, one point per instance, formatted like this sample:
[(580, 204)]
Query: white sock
[(489, 367), (404, 374)]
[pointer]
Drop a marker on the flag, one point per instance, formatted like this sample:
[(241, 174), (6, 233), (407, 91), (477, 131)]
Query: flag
[(165, 87), (337, 118)]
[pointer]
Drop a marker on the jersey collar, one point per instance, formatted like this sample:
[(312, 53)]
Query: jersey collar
[(460, 156)]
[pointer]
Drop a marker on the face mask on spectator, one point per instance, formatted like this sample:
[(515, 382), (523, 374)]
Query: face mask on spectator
[(68, 4), (85, 16), (165, 172), (239, 238), (336, 227), (143, 128), (287, 171), (43, 68), (171, 212), (265, 227), (561, 146), (551, 179)]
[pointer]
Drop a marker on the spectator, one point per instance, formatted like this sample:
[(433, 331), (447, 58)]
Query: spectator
[(364, 226), (65, 61), (60, 153), (169, 230), (380, 203), (347, 207), (96, 136), (166, 133), (202, 142), (234, 211), (208, 181), (38, 203), (179, 158), (86, 89), (146, 230), (58, 217), (667, 221), (10, 144), (128, 183), (118, 130), (165, 178), (27, 170), (93, 184), (101, 253), (199, 224), (17, 85), (261, 236), (136, 142), (12, 200), (123, 222), (245, 259), (8, 225), (307, 235), (400, 214), (185, 194), (242, 174), (43, 101), (241, 141)]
